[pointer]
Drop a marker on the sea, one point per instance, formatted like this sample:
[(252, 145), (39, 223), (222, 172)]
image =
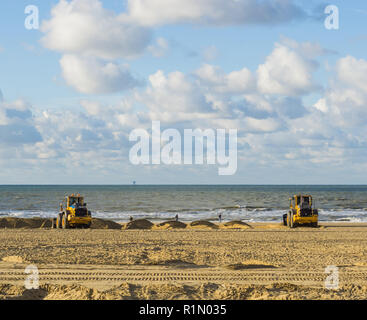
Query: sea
[(249, 203)]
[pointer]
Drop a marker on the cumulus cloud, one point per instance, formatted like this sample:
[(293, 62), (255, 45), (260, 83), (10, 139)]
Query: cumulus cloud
[(174, 93), (276, 126), (235, 82), (85, 27), (213, 12), (353, 72), (90, 75), (91, 38), (346, 98), (286, 72)]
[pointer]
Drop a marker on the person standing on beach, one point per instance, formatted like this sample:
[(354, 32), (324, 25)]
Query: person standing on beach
[(220, 218), (176, 217)]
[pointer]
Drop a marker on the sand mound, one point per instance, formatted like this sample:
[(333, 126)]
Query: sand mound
[(202, 224), (251, 264), (104, 224), (169, 225), (13, 259), (39, 223), (236, 225), (22, 223), (138, 224)]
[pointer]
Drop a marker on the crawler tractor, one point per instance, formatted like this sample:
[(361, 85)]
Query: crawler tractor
[(301, 212), (73, 214)]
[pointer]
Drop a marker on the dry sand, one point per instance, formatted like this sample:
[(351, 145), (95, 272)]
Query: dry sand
[(257, 261)]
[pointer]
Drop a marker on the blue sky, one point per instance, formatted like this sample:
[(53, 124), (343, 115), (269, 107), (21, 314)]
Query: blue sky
[(303, 126)]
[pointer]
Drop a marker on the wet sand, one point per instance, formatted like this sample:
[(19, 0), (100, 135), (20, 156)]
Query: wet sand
[(256, 261)]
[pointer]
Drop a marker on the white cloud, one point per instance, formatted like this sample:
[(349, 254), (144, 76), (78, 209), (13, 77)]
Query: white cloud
[(235, 82), (90, 75), (214, 12), (353, 72), (345, 100), (91, 39), (85, 27), (286, 72), (261, 125), (174, 93), (276, 127)]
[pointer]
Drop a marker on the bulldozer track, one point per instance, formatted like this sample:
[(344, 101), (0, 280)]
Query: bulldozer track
[(209, 276)]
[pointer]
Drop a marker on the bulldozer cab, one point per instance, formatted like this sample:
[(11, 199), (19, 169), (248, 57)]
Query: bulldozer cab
[(301, 201), (74, 201)]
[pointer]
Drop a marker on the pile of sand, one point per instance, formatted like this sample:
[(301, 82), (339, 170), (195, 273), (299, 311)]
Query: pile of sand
[(39, 223), (104, 224), (167, 225), (22, 223), (138, 224), (235, 225), (202, 224)]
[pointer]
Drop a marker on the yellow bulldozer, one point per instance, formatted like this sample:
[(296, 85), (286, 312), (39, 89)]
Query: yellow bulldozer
[(73, 214), (301, 212)]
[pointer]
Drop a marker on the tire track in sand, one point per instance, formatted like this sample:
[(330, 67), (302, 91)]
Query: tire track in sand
[(301, 277)]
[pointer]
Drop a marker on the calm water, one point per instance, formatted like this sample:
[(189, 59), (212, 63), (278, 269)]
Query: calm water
[(248, 203)]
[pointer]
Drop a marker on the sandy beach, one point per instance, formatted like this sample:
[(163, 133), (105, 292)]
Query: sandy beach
[(258, 261)]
